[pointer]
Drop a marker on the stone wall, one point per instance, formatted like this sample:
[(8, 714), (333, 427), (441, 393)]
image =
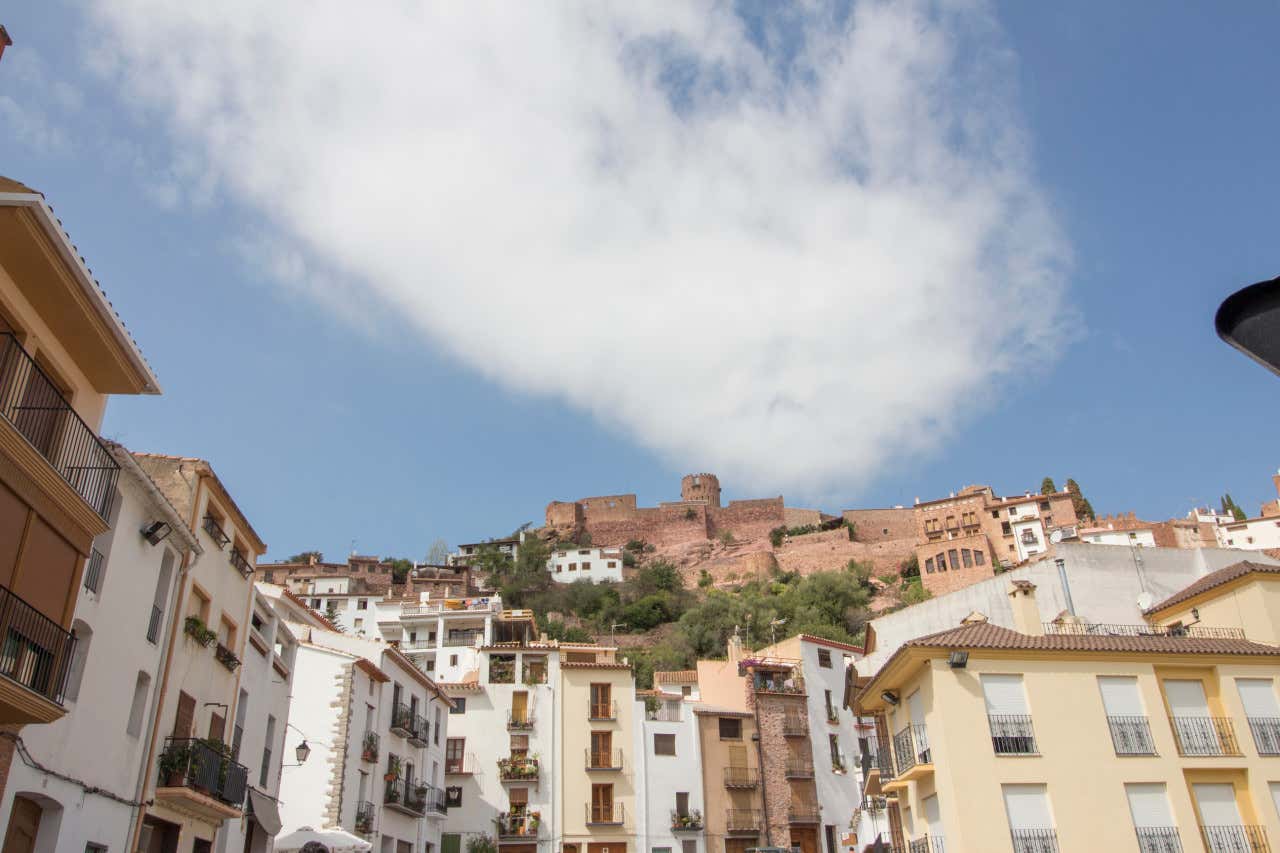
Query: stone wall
[(748, 520), (882, 525), (831, 550), (953, 578)]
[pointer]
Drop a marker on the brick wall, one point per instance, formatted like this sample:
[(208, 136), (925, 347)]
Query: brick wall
[(942, 582), (883, 525), (831, 550), (748, 519)]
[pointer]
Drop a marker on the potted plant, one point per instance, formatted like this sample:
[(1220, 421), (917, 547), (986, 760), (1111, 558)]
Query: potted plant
[(175, 761), (393, 768), (195, 628), (369, 751)]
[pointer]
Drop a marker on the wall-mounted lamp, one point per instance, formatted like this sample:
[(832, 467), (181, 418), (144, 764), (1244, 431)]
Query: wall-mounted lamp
[(1195, 613), (157, 532), (303, 751), (958, 659), (890, 697)]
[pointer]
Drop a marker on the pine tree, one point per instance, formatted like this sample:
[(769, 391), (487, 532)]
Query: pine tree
[(1047, 486), (1081, 504), (1230, 506)]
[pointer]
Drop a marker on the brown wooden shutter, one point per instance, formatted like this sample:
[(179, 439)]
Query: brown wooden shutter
[(185, 722), (217, 726)]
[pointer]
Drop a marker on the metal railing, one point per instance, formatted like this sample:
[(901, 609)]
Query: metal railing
[(463, 640), (911, 747), (215, 531), (402, 796), (795, 725), (1204, 736), (803, 813), (402, 720), (603, 710), (517, 825), (1012, 734), (1266, 734), (435, 800), (926, 844), (153, 626), (370, 746), (1241, 838), (791, 684), (742, 820), (242, 565), (469, 605), (464, 765), (520, 722), (226, 657), (33, 405), (364, 818), (1113, 630), (688, 821), (741, 777), (667, 712), (420, 734), (606, 813), (518, 768), (502, 671), (604, 759), (875, 757), (1034, 840), (799, 768), (93, 572), (1159, 839), (1131, 735), (36, 651), (194, 764)]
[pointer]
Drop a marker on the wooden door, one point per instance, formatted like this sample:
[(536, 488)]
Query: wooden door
[(24, 823), (217, 726), (602, 803), (519, 707), (184, 723), (806, 838), (601, 747), (601, 696)]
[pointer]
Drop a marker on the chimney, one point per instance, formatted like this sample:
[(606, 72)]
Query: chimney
[(1275, 479), (1026, 615), (408, 584)]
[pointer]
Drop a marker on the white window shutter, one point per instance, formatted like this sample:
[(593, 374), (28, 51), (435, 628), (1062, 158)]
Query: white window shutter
[(1120, 696), (1004, 694), (1149, 804)]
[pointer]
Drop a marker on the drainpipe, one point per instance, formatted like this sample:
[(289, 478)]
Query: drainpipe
[(1066, 587)]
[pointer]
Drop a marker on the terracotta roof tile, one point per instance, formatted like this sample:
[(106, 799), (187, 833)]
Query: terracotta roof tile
[(679, 676), (988, 636), (1213, 579)]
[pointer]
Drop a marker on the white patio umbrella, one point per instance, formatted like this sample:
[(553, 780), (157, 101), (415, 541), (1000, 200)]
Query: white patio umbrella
[(333, 840)]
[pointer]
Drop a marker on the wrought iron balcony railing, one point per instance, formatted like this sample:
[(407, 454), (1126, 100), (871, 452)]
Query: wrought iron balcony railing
[(1012, 734), (435, 800), (36, 651), (420, 733), (1111, 630), (518, 768), (402, 720), (1131, 735), (795, 725), (33, 405), (604, 759), (667, 712), (742, 820), (1266, 734), (911, 747), (405, 796), (240, 562), (1159, 839), (1235, 839), (93, 572), (803, 813), (741, 777), (1204, 736), (799, 768), (927, 844), (370, 747), (364, 818), (153, 626), (517, 825), (198, 765), (521, 722), (603, 710), (1035, 840), (609, 813), (215, 531)]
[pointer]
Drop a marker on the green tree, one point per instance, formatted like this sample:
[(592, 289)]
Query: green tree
[(305, 557), (331, 613), (910, 567), (1230, 507), (657, 576), (1084, 510), (1047, 486), (914, 593), (438, 553), (400, 568), (481, 843)]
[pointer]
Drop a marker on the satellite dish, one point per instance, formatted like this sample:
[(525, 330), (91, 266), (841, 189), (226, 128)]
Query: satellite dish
[(1145, 600), (1055, 537)]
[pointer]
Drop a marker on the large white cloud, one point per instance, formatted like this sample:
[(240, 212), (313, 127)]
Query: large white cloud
[(785, 250)]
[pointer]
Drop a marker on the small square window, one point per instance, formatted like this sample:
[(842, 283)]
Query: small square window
[(664, 744), (459, 705), (730, 728), (824, 658)]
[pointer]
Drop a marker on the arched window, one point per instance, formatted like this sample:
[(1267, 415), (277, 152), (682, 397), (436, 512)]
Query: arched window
[(83, 635)]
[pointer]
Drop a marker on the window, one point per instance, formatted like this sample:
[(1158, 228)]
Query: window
[(453, 660), (601, 702), (265, 772), (1152, 818), (573, 567), (1005, 528), (436, 735), (664, 744), (1044, 506), (430, 665), (362, 604), (602, 804), (1013, 511), (94, 847), (837, 759), (612, 564), (979, 558), (139, 707), (995, 513), (82, 637), (688, 845), (1027, 807), (824, 658), (730, 728), (928, 565), (359, 624), (682, 803), (1007, 716), (942, 561), (966, 556), (953, 559), (586, 567), (454, 748), (686, 690)]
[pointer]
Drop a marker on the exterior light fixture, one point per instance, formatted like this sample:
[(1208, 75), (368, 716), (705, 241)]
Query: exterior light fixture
[(890, 697), (958, 659), (1248, 320), (156, 532), (302, 752)]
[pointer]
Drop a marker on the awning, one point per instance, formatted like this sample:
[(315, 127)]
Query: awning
[(265, 810), (334, 840)]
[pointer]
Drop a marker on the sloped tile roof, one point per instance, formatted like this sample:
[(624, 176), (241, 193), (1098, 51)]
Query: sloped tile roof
[(678, 676), (1214, 579), (988, 636)]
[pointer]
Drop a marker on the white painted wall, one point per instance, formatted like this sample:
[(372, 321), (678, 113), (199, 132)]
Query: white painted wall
[(660, 777), (1128, 538), (601, 564), (1252, 535), (838, 792)]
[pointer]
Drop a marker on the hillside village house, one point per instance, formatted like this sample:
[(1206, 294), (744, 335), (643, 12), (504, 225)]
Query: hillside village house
[(670, 799), (1261, 533), (123, 614), (198, 787), (586, 564), (376, 726), (63, 351)]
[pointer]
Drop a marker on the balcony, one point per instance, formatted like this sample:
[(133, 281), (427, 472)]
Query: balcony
[(741, 777), (435, 801), (1131, 735), (407, 798), (688, 822), (1012, 734), (927, 844), (460, 765), (667, 712), (1235, 839), (420, 734), (32, 404), (877, 766), (1112, 630), (518, 768), (1204, 736), (240, 563), (402, 720), (1159, 839), (799, 768), (603, 711), (1035, 840), (604, 759), (778, 683), (215, 531), (803, 813), (518, 825), (912, 756), (795, 725), (195, 776), (522, 722), (606, 814), (93, 572), (370, 747), (452, 605), (742, 820), (502, 670), (1266, 734), (36, 654), (226, 657), (464, 639), (364, 818)]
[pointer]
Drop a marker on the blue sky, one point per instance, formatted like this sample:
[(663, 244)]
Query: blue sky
[(345, 418)]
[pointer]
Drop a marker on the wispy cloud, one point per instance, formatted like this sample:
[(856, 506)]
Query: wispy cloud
[(788, 250)]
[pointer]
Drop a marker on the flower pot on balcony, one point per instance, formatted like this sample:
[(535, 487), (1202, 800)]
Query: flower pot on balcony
[(390, 777)]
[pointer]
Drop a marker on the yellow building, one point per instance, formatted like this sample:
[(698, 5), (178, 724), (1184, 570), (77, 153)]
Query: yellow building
[(597, 772), (63, 351), (1076, 737)]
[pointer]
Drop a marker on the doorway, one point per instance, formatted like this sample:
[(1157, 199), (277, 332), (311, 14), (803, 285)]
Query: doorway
[(24, 823)]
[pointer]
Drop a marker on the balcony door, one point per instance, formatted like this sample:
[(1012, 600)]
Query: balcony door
[(933, 816), (520, 707), (602, 803), (601, 748), (601, 696), (1220, 817)]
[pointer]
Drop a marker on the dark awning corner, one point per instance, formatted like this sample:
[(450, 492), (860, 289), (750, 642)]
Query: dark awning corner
[(265, 810)]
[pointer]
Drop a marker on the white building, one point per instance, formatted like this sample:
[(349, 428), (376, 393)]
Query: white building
[(376, 727), (669, 796), (441, 635), (348, 602), (586, 564), (1252, 534), (466, 554), (1142, 537), (86, 771)]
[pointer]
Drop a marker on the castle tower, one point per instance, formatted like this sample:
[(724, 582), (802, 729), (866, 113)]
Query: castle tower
[(701, 487)]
